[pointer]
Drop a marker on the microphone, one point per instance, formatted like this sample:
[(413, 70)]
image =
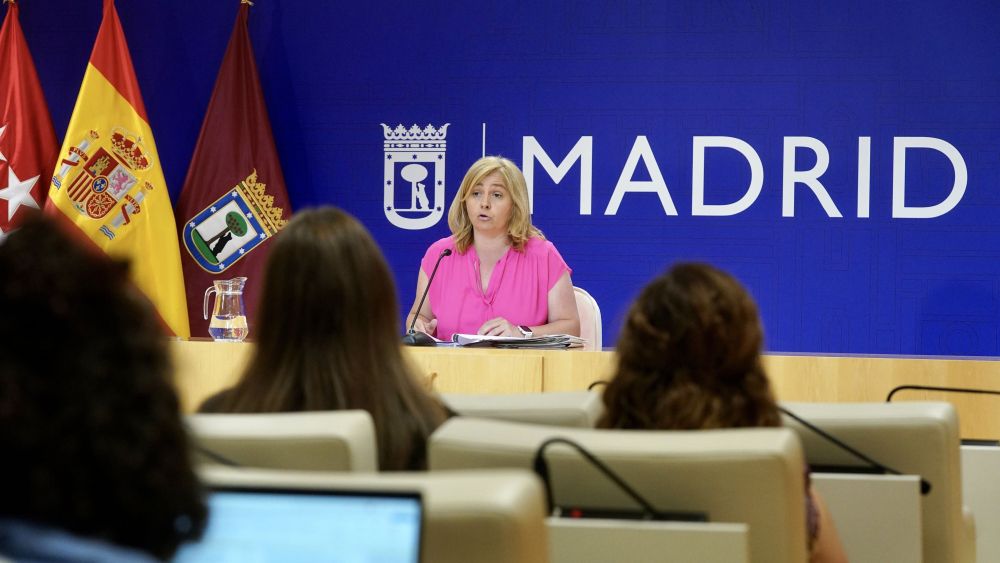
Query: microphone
[(412, 337), (971, 390), (925, 485), (215, 456), (647, 512)]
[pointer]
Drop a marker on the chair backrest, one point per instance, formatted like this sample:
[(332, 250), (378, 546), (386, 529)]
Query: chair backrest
[(579, 409), (879, 518), (312, 441), (981, 491), (590, 319), (913, 438), (754, 476), (482, 516), (600, 540)]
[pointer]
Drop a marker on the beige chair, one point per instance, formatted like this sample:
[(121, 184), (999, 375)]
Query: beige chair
[(914, 438), (981, 491), (592, 540), (481, 516), (313, 441), (878, 517), (590, 319), (753, 476), (579, 409)]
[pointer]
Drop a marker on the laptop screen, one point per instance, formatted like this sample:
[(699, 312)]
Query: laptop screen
[(263, 525)]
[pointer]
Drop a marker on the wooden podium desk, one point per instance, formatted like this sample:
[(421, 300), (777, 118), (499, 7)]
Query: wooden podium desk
[(203, 367)]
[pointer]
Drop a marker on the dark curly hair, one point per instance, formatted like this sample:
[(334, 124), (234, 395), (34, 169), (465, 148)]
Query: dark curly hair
[(90, 426), (689, 357)]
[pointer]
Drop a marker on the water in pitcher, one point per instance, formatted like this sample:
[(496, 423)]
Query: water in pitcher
[(228, 328)]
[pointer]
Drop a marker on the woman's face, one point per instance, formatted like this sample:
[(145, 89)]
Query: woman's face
[(489, 205)]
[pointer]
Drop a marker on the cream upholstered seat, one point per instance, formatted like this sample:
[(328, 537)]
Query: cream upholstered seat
[(600, 540), (590, 319), (564, 408), (754, 476), (913, 438), (317, 440), (481, 516), (981, 491)]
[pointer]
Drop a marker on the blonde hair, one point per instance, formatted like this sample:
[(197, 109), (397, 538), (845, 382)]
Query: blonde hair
[(519, 228)]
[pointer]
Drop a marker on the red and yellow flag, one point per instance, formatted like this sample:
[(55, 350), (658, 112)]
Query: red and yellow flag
[(109, 183), (27, 140)]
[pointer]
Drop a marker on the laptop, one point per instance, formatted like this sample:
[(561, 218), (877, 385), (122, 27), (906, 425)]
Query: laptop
[(299, 525)]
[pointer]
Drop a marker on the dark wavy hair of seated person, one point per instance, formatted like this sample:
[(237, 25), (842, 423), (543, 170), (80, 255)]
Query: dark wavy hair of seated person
[(689, 357), (90, 426), (328, 338)]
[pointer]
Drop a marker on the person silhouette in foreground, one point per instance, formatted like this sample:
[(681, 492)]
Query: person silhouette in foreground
[(95, 463)]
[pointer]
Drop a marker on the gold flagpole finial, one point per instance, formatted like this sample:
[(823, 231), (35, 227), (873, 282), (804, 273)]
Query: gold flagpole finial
[(247, 2)]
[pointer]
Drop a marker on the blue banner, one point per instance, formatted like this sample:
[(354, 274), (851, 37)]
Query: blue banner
[(842, 159)]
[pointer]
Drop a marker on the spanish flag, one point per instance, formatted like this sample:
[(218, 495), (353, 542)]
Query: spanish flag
[(109, 182)]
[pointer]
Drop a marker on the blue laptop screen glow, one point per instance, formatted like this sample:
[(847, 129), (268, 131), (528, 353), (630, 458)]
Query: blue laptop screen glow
[(292, 526)]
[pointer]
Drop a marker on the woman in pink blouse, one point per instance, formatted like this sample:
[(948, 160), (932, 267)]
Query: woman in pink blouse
[(502, 277)]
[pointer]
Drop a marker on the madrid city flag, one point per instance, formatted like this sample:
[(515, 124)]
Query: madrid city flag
[(108, 181), (28, 146), (234, 198)]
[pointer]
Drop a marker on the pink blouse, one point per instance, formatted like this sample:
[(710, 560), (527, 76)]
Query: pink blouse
[(518, 289)]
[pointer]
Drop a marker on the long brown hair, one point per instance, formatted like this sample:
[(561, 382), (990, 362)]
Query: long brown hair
[(689, 357), (519, 228), (328, 337)]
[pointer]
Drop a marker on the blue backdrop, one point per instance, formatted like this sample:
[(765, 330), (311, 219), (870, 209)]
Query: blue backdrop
[(646, 80)]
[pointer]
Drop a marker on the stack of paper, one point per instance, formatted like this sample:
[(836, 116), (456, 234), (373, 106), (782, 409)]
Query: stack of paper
[(551, 341)]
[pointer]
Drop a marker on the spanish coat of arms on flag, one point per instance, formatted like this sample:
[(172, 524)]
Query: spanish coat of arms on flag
[(108, 182)]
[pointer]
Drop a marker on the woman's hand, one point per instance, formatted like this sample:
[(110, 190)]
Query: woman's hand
[(425, 326), (499, 327)]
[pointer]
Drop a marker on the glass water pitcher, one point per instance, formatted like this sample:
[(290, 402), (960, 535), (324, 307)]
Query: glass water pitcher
[(229, 317)]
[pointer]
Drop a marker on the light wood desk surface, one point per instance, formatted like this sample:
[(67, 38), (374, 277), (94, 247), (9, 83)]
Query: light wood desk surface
[(204, 367)]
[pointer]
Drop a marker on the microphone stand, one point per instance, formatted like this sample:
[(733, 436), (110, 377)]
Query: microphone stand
[(898, 388), (412, 337), (541, 468), (925, 485)]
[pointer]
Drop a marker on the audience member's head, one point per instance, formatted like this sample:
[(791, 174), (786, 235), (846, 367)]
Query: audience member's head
[(689, 357), (328, 337), (91, 435)]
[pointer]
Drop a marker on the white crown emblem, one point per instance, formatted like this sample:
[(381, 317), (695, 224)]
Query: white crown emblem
[(415, 133)]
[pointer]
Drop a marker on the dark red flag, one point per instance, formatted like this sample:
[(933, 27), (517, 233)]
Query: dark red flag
[(28, 148), (234, 199)]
